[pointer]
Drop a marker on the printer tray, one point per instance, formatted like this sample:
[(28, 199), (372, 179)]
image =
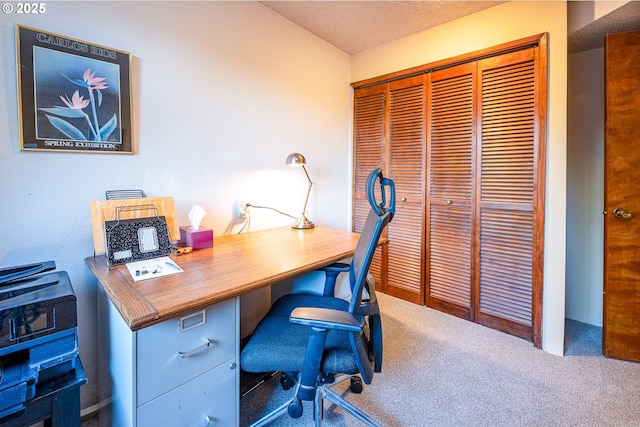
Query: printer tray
[(17, 384)]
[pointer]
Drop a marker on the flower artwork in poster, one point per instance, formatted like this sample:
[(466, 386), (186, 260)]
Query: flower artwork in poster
[(90, 113), (74, 96)]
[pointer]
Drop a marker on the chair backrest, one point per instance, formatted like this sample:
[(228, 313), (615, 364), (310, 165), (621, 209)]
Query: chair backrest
[(379, 216), (368, 349)]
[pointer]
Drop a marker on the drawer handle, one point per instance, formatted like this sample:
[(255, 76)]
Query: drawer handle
[(203, 347), (210, 420)]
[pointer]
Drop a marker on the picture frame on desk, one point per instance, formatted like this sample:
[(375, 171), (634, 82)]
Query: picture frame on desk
[(73, 95)]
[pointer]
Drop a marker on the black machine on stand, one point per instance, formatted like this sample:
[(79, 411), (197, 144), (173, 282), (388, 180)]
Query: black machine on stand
[(38, 332)]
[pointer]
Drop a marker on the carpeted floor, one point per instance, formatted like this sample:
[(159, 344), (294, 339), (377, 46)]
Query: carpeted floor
[(443, 371)]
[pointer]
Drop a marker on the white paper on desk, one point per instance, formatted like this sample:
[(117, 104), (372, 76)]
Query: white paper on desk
[(151, 268)]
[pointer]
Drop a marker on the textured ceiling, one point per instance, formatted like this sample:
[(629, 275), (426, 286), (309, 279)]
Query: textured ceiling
[(354, 26), (625, 18)]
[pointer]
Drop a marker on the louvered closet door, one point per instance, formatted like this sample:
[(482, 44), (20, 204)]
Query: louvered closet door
[(369, 152), (450, 198), (508, 193), (473, 245), (406, 143), (390, 133)]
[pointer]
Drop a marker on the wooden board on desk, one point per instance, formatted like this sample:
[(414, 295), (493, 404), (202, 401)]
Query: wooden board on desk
[(106, 210)]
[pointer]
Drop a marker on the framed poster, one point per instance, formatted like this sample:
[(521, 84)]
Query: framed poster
[(72, 95)]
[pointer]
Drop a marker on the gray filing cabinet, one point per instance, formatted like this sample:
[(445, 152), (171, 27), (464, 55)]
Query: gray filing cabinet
[(180, 372)]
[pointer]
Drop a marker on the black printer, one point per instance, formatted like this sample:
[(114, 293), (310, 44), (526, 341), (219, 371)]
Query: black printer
[(38, 331)]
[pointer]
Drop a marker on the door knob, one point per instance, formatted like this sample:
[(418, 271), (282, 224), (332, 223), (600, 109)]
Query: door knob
[(622, 213)]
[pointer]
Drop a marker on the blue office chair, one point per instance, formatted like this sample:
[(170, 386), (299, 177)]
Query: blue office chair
[(320, 340)]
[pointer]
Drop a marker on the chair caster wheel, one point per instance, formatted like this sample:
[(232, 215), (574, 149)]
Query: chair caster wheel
[(356, 385), (295, 408), (286, 382)]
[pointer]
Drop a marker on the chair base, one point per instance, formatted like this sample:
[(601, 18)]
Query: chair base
[(322, 392), (327, 393)]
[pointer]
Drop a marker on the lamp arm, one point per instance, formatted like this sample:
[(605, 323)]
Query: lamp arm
[(307, 174), (306, 199)]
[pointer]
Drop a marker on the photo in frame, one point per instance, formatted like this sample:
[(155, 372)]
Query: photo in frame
[(72, 95)]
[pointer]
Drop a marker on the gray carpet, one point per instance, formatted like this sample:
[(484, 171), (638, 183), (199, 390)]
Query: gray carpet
[(442, 371)]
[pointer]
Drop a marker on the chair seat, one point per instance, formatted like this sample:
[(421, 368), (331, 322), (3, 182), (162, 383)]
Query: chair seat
[(279, 345)]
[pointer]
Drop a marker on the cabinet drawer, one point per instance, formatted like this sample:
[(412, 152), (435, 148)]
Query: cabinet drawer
[(211, 395), (177, 350)]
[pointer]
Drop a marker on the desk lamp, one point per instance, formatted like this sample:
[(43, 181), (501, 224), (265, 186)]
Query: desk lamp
[(298, 159)]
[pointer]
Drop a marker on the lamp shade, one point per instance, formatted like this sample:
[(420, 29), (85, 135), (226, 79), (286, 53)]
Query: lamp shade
[(296, 159)]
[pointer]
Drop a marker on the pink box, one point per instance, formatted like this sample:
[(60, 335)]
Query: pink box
[(201, 238)]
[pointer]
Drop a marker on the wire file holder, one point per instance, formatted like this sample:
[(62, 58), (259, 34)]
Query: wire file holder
[(136, 239), (125, 194)]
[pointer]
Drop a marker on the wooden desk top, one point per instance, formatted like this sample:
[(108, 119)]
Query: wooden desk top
[(237, 264)]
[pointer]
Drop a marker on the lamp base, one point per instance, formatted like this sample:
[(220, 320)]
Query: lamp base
[(302, 223)]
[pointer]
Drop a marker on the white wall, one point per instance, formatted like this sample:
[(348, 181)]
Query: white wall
[(497, 25), (585, 186), (222, 93)]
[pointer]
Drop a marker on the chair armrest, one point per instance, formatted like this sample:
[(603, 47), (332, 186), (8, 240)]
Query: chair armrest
[(337, 267), (331, 274), (326, 318)]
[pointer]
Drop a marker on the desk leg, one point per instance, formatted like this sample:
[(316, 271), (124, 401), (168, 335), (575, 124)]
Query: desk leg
[(65, 409)]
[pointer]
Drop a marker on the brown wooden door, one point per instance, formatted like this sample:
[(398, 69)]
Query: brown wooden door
[(406, 167), (510, 191), (369, 153), (389, 133), (450, 196), (485, 192), (621, 301)]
